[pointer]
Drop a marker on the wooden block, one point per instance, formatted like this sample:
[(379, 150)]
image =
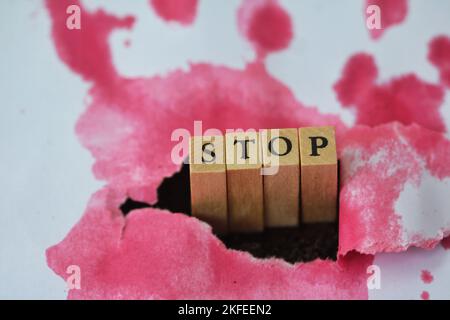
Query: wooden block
[(318, 162), (281, 162), (208, 181), (244, 182)]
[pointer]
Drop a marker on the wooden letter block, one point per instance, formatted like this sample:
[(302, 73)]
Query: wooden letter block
[(244, 182), (208, 181), (318, 162), (281, 161)]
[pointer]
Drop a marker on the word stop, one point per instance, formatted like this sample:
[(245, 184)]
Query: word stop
[(246, 181)]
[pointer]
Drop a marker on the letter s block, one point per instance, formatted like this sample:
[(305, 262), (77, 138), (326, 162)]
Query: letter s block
[(207, 172), (319, 185), (244, 182)]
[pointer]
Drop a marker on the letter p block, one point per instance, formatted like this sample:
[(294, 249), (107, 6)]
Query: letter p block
[(319, 185)]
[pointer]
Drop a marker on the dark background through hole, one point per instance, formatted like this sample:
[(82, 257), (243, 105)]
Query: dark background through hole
[(299, 244)]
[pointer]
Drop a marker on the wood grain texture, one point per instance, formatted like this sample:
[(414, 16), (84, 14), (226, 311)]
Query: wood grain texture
[(208, 181), (244, 182), (281, 162), (318, 163)]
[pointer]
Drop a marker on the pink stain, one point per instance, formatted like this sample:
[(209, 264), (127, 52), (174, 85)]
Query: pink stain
[(426, 276), (358, 77), (120, 125), (86, 51), (181, 11), (376, 163), (130, 135), (425, 295), (406, 99), (153, 254), (266, 24), (439, 55), (446, 243), (392, 13)]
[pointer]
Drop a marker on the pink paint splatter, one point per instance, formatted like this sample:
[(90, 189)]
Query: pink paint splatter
[(426, 276), (358, 77), (127, 127), (129, 123), (392, 13), (94, 64), (181, 11), (376, 163), (130, 135), (439, 55), (446, 243), (266, 24), (425, 295), (406, 99)]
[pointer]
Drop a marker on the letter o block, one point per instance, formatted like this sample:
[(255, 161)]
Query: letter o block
[(281, 161)]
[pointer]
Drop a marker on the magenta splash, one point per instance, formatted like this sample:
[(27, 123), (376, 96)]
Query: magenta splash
[(439, 55), (392, 13), (406, 99), (266, 25), (426, 277), (153, 254), (181, 11)]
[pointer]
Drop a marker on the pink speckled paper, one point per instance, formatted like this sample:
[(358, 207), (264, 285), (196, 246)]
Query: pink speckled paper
[(376, 164), (153, 254)]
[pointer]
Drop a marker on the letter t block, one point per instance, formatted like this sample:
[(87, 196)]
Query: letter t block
[(244, 182)]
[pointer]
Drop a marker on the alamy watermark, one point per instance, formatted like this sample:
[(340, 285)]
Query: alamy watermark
[(73, 21), (73, 281), (250, 146), (374, 279), (373, 20)]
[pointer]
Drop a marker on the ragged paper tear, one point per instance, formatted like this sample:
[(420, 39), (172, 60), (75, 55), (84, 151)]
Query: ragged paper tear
[(395, 188), (153, 254)]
